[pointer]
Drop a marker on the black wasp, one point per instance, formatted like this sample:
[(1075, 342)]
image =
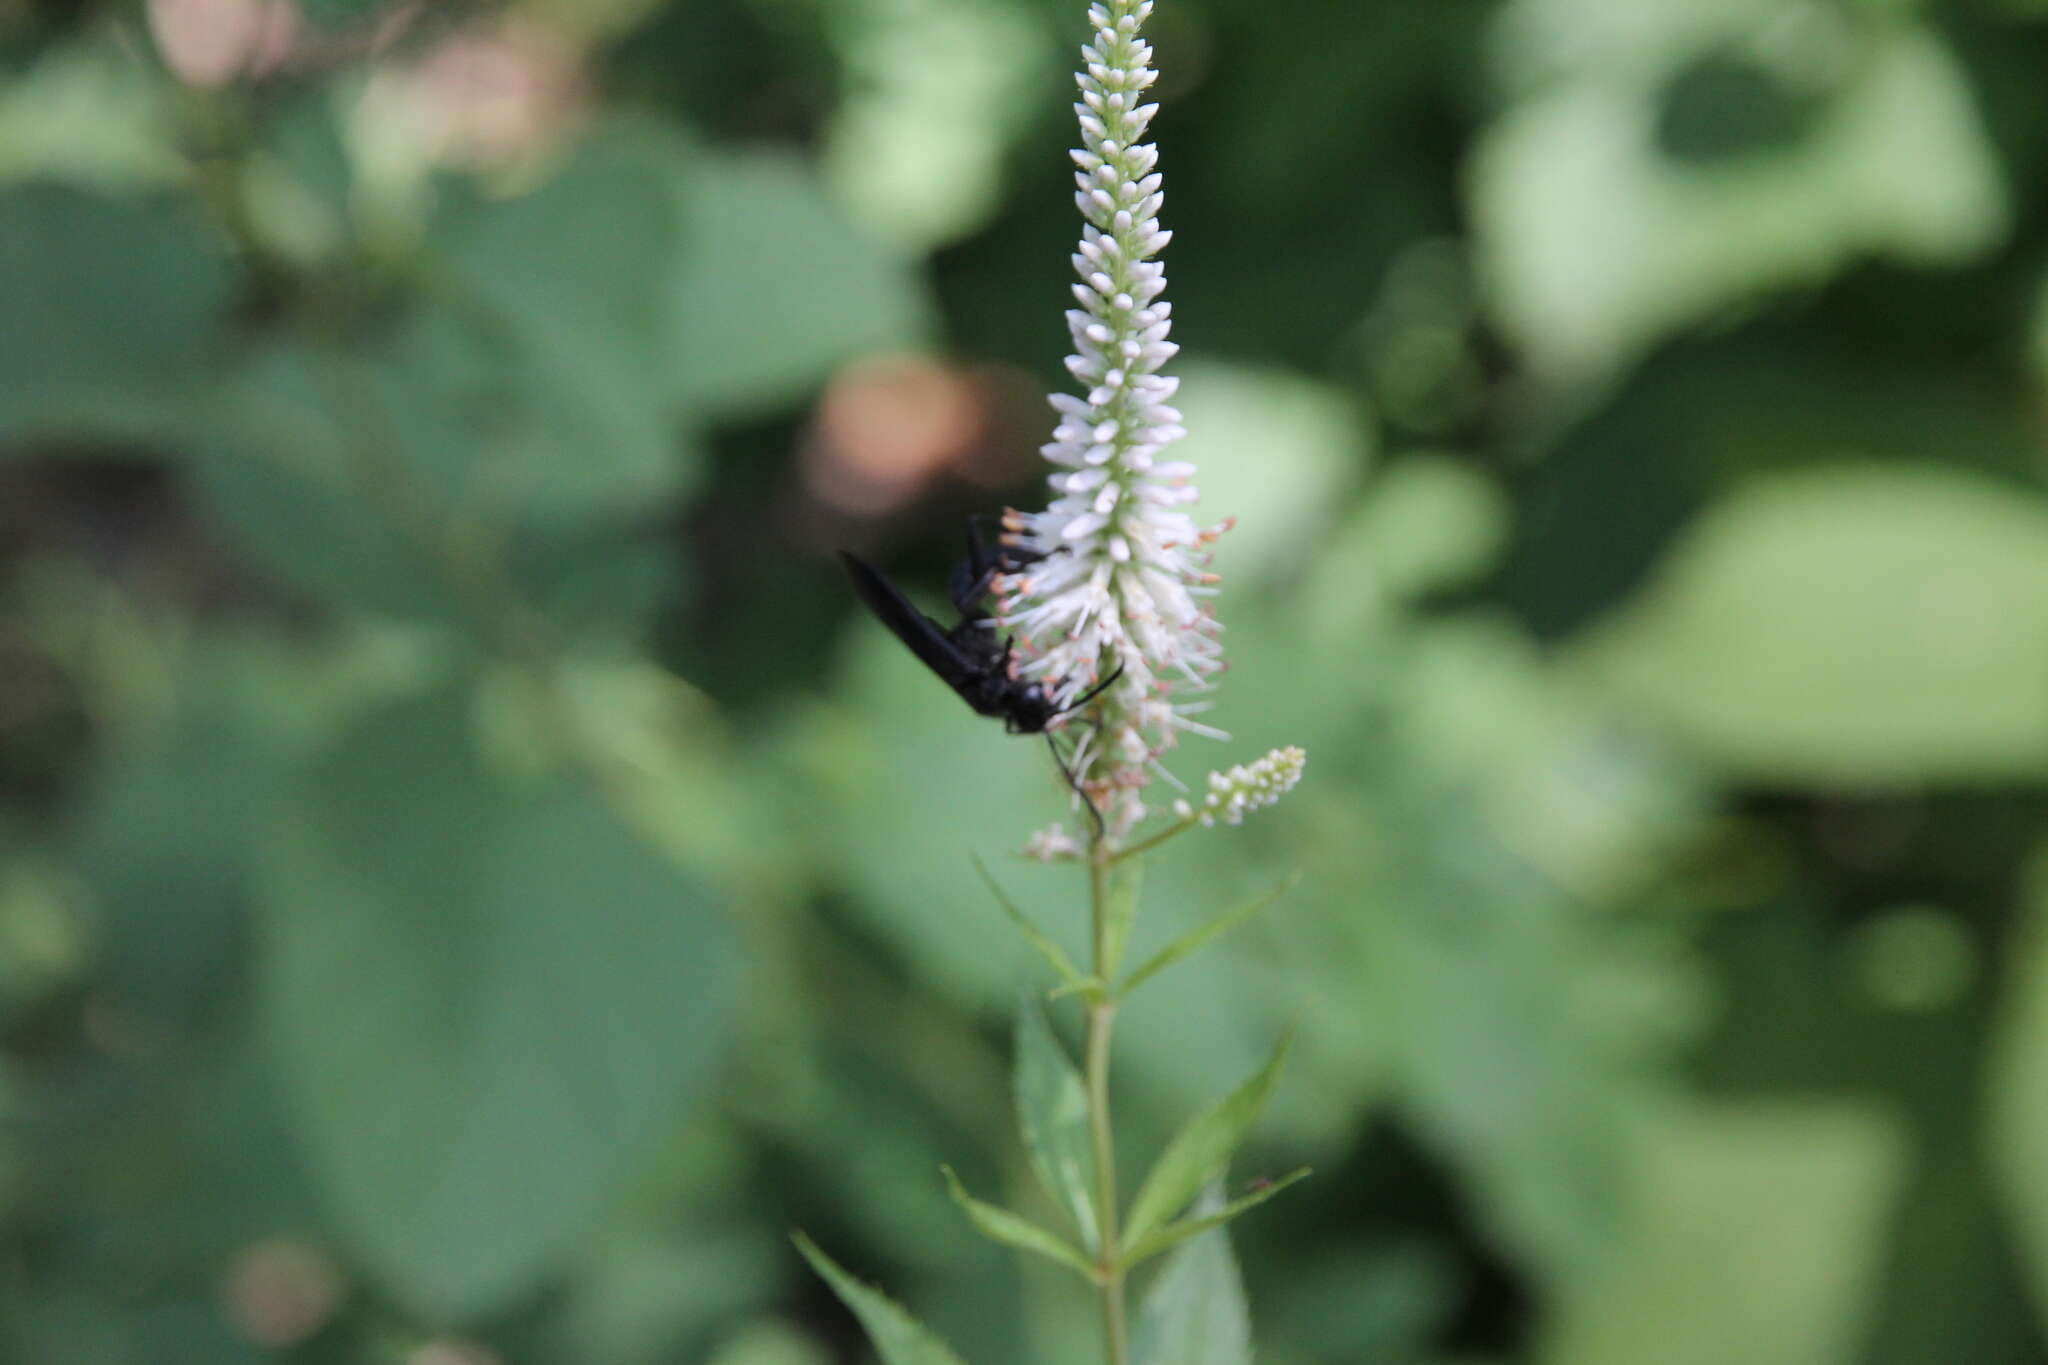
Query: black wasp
[(970, 657)]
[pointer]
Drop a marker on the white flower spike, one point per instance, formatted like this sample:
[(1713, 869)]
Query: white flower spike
[(1124, 578)]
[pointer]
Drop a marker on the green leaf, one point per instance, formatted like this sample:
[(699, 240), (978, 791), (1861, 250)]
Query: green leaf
[(1071, 977), (1120, 911), (1312, 442), (1597, 242), (914, 145), (164, 835), (1052, 1111), (1200, 1150), (1203, 934), (335, 14), (2017, 1132), (90, 112), (563, 356), (898, 1338), (111, 306), (352, 476), (1195, 1313), (290, 434), (953, 777), (999, 1224), (1173, 1234), (1850, 625), (777, 288), (1758, 1235), (482, 1003)]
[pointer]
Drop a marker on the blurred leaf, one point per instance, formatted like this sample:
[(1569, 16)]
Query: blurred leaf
[(1758, 1236), (1523, 1028), (111, 306), (286, 471), (1052, 1111), (1312, 442), (954, 781), (164, 836), (334, 14), (664, 1280), (45, 942), (1000, 1225), (1200, 1150), (1373, 1297), (770, 1342), (559, 349), (1195, 1313), (1202, 934), (935, 91), (897, 1337), (297, 188), (483, 1003), (350, 478), (599, 578), (1859, 625), (87, 113), (1071, 977), (1598, 244), (1119, 912), (2017, 1120), (1431, 524), (777, 288)]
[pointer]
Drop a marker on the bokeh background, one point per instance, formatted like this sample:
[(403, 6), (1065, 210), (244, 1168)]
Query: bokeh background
[(471, 880)]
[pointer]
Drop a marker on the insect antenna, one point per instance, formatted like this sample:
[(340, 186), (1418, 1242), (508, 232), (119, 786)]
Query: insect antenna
[(1092, 693)]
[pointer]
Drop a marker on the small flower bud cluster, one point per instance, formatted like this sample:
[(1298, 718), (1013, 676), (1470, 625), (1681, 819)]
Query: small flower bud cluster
[(1122, 579), (1052, 845), (1246, 788)]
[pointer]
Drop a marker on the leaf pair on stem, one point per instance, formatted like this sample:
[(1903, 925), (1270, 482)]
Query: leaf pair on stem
[(1179, 1200)]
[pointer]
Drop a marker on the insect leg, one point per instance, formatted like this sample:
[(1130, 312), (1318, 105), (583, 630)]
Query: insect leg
[(1101, 830)]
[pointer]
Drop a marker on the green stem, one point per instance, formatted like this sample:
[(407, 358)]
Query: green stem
[(1101, 1021), (1154, 841)]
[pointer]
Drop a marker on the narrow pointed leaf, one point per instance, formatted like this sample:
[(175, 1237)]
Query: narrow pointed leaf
[(1200, 936), (1071, 977), (999, 1224), (1120, 911), (898, 1338), (1195, 1312), (1199, 1151), (1052, 1111), (1173, 1234)]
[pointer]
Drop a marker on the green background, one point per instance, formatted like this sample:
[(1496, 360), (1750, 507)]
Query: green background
[(472, 881)]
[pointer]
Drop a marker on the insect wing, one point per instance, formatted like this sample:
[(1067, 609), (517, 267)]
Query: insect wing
[(924, 637)]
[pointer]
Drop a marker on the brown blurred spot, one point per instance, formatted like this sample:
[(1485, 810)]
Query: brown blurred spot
[(886, 426), (212, 42), (281, 1291), (487, 95)]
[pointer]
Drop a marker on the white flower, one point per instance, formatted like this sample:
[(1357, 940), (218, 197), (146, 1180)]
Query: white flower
[(1123, 578), (1246, 788), (1051, 845)]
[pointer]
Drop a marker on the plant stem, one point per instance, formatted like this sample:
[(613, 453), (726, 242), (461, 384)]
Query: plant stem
[(1147, 844), (1101, 1021)]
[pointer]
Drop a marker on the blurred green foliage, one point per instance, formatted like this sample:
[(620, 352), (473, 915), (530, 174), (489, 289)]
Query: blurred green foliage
[(472, 882)]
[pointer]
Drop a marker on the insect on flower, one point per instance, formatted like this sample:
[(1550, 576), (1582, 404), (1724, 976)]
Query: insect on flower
[(970, 657)]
